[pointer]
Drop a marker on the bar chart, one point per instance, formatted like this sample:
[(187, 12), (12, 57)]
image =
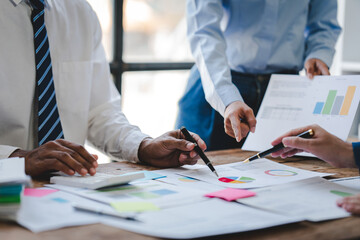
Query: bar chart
[(336, 104)]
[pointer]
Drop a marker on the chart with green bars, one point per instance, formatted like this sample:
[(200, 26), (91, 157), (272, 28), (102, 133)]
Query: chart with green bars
[(336, 104)]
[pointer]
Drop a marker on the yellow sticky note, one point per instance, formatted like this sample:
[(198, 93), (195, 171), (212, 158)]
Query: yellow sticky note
[(140, 206)]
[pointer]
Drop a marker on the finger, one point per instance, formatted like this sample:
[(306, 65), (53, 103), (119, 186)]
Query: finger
[(250, 119), (184, 159), (280, 152), (193, 154), (290, 153), (66, 158), (297, 142), (244, 129), (236, 128), (277, 153), (228, 129), (80, 150), (78, 158), (55, 164), (323, 68), (340, 202), (97, 158), (352, 207), (199, 141), (171, 144), (293, 132), (310, 69)]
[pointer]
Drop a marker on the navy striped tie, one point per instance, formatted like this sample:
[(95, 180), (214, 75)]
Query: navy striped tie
[(49, 125)]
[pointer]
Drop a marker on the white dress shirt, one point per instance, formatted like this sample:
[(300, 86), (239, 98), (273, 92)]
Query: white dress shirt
[(88, 102)]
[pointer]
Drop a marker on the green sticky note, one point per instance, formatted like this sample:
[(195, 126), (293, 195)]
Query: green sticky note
[(341, 194), (134, 206)]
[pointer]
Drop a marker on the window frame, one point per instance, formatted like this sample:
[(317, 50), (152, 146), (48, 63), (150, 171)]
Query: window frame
[(118, 66)]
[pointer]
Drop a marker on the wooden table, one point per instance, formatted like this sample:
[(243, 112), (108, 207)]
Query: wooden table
[(346, 228)]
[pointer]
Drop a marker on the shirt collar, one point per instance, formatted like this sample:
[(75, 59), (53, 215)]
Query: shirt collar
[(17, 2)]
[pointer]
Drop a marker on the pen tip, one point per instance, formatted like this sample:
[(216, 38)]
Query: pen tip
[(216, 174), (246, 160)]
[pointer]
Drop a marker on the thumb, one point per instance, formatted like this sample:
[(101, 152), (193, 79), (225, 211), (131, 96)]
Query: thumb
[(296, 142)]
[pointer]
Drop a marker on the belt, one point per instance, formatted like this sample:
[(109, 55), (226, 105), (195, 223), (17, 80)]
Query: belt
[(263, 77)]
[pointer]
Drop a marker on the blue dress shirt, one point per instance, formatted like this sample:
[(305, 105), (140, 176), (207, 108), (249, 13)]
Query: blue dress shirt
[(258, 37)]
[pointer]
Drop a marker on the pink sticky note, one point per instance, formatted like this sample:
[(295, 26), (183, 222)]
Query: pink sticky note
[(231, 194), (37, 192)]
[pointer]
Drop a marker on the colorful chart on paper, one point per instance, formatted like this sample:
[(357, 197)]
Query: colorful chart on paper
[(236, 180), (281, 173), (188, 179)]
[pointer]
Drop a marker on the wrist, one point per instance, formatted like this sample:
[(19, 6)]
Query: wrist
[(19, 153), (142, 149)]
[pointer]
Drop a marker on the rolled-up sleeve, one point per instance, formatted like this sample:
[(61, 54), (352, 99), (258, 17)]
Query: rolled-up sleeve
[(108, 128)]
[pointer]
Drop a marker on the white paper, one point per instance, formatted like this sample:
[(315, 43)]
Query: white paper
[(54, 211), (186, 182), (161, 194), (257, 173), (312, 199), (290, 102), (350, 182), (201, 219)]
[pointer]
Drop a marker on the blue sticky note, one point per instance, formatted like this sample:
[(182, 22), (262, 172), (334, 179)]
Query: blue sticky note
[(60, 200), (149, 175)]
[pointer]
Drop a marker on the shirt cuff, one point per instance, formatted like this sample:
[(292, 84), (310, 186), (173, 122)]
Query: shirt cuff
[(130, 152), (6, 151), (356, 150), (324, 55)]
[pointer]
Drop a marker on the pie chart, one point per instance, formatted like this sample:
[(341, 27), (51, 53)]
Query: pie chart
[(236, 180), (280, 173)]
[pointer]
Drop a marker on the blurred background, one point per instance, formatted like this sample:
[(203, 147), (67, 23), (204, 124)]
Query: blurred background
[(151, 35)]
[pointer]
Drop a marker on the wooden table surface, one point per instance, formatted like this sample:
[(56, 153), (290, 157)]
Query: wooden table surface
[(346, 228)]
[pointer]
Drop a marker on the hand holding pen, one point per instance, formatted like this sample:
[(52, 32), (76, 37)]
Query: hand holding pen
[(279, 147), (198, 150)]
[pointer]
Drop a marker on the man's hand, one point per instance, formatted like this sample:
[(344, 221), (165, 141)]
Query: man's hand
[(350, 204), (170, 150), (239, 119), (314, 66), (60, 155), (323, 145)]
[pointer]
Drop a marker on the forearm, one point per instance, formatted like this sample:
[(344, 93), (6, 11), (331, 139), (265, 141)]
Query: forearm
[(322, 30), (209, 50)]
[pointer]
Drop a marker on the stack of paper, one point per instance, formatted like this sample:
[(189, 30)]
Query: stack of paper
[(12, 181)]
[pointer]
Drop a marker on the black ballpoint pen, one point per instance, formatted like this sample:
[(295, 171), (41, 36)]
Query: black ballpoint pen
[(307, 134), (198, 150)]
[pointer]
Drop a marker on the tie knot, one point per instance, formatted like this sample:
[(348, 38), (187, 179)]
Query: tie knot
[(37, 4)]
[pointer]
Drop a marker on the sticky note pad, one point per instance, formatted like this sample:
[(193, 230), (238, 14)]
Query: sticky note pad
[(231, 194), (141, 206), (38, 192)]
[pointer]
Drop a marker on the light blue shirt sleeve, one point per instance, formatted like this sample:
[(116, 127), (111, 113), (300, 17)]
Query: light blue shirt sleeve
[(209, 49), (256, 37), (322, 30)]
